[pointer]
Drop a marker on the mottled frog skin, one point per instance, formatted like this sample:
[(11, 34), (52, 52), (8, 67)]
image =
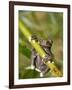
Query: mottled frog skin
[(37, 61)]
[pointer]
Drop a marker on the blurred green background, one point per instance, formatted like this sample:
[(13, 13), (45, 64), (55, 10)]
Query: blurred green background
[(46, 25)]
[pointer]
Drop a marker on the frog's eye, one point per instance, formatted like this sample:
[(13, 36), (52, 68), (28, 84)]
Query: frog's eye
[(34, 37), (49, 42)]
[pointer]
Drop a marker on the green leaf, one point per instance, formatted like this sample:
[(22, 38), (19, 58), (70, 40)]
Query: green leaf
[(28, 74)]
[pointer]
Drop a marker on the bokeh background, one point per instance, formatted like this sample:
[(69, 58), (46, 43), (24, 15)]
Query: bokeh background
[(45, 25)]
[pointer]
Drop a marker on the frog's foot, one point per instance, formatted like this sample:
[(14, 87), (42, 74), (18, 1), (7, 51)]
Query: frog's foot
[(41, 74), (37, 70), (32, 67)]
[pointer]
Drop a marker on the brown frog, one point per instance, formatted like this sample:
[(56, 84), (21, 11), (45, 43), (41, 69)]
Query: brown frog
[(36, 61)]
